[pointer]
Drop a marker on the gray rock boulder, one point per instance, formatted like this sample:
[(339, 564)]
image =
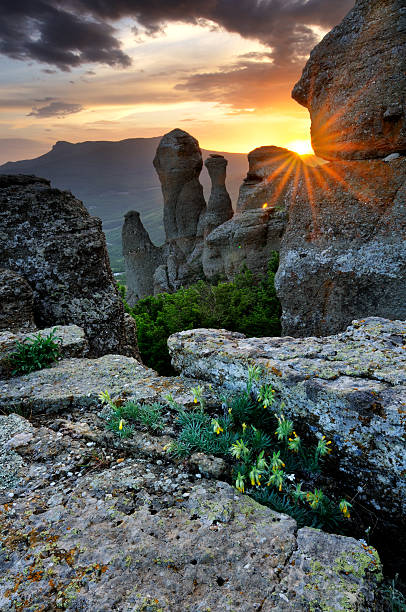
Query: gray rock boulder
[(354, 84), (350, 387), (48, 237), (136, 535), (16, 302), (343, 253)]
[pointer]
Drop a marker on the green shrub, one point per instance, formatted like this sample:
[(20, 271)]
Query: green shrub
[(248, 305), (35, 353)]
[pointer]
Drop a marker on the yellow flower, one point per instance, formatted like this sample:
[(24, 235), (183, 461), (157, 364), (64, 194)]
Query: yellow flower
[(120, 426), (230, 410), (195, 400), (244, 426)]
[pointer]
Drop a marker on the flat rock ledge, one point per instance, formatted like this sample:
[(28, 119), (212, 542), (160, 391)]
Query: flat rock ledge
[(350, 387), (137, 535), (73, 342)]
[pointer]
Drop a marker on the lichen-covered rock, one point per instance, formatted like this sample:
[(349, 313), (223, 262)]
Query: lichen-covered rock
[(78, 382), (354, 84), (350, 387), (16, 302), (49, 238), (71, 339), (343, 253), (132, 535)]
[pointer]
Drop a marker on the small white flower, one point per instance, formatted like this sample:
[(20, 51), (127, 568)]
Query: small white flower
[(290, 477)]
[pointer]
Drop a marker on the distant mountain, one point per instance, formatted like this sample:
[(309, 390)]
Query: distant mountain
[(114, 177)]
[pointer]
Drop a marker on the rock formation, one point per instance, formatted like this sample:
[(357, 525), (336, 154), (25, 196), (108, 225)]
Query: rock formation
[(350, 388), (113, 513), (142, 258), (340, 227), (219, 207), (343, 255), (49, 239), (354, 84), (187, 220)]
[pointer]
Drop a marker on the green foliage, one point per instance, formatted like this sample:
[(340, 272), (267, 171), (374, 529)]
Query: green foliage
[(266, 454), (35, 353), (122, 418), (392, 596), (248, 305)]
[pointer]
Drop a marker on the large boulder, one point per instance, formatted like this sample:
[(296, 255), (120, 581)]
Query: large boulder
[(48, 237), (350, 387), (354, 84), (343, 254)]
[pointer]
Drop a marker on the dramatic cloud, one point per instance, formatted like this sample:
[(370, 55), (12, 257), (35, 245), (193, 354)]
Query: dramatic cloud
[(55, 109), (44, 32), (81, 31)]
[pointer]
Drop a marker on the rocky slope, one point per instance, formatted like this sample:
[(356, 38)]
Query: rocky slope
[(91, 521)]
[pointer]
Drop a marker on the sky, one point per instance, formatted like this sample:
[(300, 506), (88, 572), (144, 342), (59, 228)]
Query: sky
[(222, 70)]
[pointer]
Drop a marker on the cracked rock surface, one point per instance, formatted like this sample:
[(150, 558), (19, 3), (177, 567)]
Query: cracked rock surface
[(87, 522), (350, 387)]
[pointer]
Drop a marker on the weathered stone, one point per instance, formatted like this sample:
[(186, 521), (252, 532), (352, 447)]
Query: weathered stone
[(78, 382), (219, 208), (178, 162), (16, 302), (71, 338), (270, 178), (343, 254), (141, 258), (350, 387), (354, 84), (125, 536), (245, 240), (51, 240)]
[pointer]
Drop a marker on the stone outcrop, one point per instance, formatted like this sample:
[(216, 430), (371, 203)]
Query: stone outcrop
[(16, 302), (142, 258), (48, 237), (71, 339), (118, 524), (219, 207), (343, 254), (350, 387), (354, 84)]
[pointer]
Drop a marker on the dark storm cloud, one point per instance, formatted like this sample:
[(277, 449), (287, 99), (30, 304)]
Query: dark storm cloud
[(55, 109), (81, 31), (40, 30)]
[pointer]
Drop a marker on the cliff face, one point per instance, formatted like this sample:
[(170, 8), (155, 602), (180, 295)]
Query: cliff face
[(50, 240)]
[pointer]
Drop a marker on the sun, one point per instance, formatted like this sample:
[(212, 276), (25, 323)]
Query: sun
[(302, 147)]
